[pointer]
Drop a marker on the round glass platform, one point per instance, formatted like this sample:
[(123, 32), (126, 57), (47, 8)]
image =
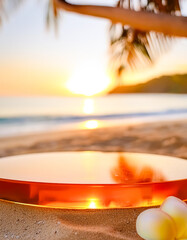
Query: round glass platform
[(82, 180)]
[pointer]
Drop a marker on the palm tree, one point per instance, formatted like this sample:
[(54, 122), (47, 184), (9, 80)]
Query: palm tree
[(168, 24), (139, 32), (131, 48)]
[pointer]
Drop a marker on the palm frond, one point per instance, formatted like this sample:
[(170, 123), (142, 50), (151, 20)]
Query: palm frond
[(139, 49), (52, 16)]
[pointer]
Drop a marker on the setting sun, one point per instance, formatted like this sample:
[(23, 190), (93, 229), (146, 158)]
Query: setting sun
[(88, 80)]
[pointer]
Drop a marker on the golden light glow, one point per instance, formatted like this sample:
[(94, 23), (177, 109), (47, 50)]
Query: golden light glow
[(93, 203), (88, 106), (91, 124), (156, 201), (88, 80)]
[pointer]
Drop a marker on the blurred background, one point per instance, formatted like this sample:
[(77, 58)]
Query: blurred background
[(71, 72)]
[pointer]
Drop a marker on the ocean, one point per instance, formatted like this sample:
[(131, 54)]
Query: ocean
[(25, 115)]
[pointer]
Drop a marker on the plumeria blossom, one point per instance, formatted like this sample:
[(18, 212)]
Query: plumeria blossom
[(169, 222)]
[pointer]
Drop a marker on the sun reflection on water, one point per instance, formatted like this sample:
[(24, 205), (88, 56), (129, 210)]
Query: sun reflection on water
[(88, 106), (91, 124)]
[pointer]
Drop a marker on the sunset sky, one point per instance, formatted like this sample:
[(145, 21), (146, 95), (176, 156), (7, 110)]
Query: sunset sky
[(34, 61)]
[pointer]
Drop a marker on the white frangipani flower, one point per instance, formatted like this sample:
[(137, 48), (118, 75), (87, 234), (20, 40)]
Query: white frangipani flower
[(169, 222)]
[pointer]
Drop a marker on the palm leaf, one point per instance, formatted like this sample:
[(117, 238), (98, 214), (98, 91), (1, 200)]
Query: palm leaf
[(139, 48), (52, 17)]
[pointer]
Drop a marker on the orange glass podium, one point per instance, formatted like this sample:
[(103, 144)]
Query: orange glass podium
[(86, 180)]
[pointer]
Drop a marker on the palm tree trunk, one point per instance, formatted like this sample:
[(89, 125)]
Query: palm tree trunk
[(141, 20)]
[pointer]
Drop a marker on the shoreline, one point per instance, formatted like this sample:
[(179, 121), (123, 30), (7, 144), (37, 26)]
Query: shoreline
[(104, 122), (163, 137)]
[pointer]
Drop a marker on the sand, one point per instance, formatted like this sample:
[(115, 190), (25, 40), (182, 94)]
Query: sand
[(167, 138), (34, 223)]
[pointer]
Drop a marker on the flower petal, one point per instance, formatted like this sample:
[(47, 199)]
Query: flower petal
[(154, 224), (177, 209)]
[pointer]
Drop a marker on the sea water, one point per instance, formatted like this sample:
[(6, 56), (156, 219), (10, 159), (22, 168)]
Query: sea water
[(23, 115)]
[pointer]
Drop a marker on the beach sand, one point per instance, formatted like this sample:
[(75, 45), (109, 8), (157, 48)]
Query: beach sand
[(36, 223), (167, 138)]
